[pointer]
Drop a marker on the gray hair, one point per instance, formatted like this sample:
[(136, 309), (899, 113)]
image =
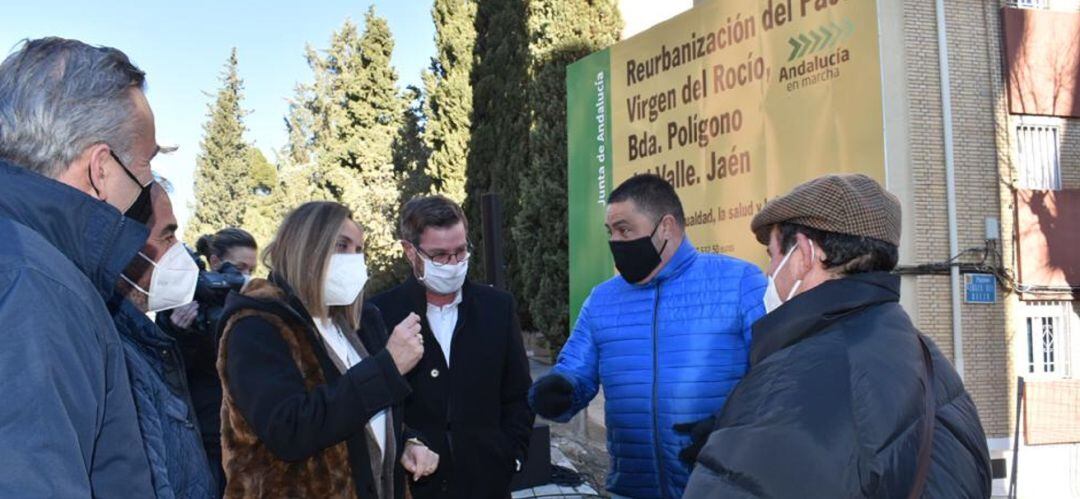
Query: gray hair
[(59, 97)]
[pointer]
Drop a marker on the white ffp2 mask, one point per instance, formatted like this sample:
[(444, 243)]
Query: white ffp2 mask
[(772, 295), (173, 280)]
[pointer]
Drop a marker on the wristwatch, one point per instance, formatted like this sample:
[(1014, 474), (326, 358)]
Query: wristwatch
[(414, 441)]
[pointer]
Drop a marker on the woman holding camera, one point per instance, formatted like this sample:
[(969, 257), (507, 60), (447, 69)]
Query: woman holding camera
[(231, 246), (230, 251), (312, 384)]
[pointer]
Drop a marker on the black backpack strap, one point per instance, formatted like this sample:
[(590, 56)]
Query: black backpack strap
[(926, 443)]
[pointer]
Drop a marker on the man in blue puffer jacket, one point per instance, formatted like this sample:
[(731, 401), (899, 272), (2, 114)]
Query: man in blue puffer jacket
[(668, 339)]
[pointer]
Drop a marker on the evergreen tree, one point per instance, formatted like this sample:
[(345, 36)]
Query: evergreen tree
[(298, 124), (357, 113), (223, 187), (560, 32), (499, 143), (293, 186), (411, 154), (449, 103), (263, 174), (260, 216)]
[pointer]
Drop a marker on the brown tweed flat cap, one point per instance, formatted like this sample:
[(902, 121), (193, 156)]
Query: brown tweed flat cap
[(852, 204)]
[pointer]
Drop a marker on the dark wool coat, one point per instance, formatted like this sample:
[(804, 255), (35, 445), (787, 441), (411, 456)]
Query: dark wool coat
[(474, 412), (291, 424), (833, 406)]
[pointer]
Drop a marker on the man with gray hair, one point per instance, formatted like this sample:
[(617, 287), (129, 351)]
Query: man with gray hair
[(76, 140)]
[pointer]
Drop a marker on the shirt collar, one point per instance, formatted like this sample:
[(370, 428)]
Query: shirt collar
[(448, 306)]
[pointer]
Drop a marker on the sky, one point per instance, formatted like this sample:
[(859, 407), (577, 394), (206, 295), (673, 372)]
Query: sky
[(182, 47)]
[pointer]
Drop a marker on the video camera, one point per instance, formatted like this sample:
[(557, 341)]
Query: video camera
[(212, 288)]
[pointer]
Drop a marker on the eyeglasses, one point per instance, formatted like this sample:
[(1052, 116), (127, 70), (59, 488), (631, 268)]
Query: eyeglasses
[(441, 259)]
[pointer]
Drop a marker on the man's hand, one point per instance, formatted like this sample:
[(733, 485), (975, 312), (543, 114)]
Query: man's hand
[(419, 460), (553, 396), (183, 316), (699, 432)]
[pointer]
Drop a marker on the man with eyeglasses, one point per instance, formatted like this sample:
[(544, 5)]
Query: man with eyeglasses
[(469, 389)]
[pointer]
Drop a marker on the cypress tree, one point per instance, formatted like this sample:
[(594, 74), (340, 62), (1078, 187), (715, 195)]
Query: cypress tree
[(223, 186), (499, 143), (356, 114), (560, 32), (411, 153), (450, 103)]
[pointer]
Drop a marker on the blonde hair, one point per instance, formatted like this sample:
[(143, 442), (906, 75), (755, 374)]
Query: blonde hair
[(300, 254)]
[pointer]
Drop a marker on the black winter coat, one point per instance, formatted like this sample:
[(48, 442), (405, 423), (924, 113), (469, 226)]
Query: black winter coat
[(474, 414), (286, 418), (833, 404)]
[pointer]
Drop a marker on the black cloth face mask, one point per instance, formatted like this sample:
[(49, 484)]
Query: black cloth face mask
[(636, 259), (141, 210)]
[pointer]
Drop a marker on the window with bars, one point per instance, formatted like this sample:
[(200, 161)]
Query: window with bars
[(1046, 329), (1040, 339), (1038, 151)]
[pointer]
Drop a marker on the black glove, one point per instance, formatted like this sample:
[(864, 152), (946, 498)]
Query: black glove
[(699, 432), (553, 396)]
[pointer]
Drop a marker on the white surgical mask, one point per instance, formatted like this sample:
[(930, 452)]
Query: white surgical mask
[(444, 279), (772, 295), (173, 280), (345, 279)]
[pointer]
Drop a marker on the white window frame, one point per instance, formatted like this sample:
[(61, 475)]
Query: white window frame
[(1038, 167), (1033, 358)]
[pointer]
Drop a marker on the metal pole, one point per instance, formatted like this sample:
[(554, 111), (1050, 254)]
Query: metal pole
[(494, 264), (950, 184), (1016, 435)]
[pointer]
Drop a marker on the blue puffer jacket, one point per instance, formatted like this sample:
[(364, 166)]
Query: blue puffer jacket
[(666, 352), (67, 420), (170, 432)]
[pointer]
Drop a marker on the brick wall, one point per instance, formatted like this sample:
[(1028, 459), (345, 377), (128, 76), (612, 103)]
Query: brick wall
[(977, 111)]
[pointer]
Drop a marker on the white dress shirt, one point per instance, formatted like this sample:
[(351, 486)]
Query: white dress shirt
[(333, 336), (443, 320)]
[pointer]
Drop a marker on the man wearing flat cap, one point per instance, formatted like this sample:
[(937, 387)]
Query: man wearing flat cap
[(844, 397)]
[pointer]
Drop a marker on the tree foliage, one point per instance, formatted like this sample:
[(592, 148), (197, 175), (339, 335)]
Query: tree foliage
[(450, 99), (560, 32), (224, 180)]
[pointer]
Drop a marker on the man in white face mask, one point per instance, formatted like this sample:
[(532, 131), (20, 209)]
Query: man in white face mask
[(842, 386), (161, 277), (469, 389)]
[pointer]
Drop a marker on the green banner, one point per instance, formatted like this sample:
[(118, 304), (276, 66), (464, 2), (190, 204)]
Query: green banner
[(588, 117)]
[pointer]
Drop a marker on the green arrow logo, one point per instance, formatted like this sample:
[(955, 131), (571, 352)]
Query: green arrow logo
[(824, 37), (827, 37), (795, 49)]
